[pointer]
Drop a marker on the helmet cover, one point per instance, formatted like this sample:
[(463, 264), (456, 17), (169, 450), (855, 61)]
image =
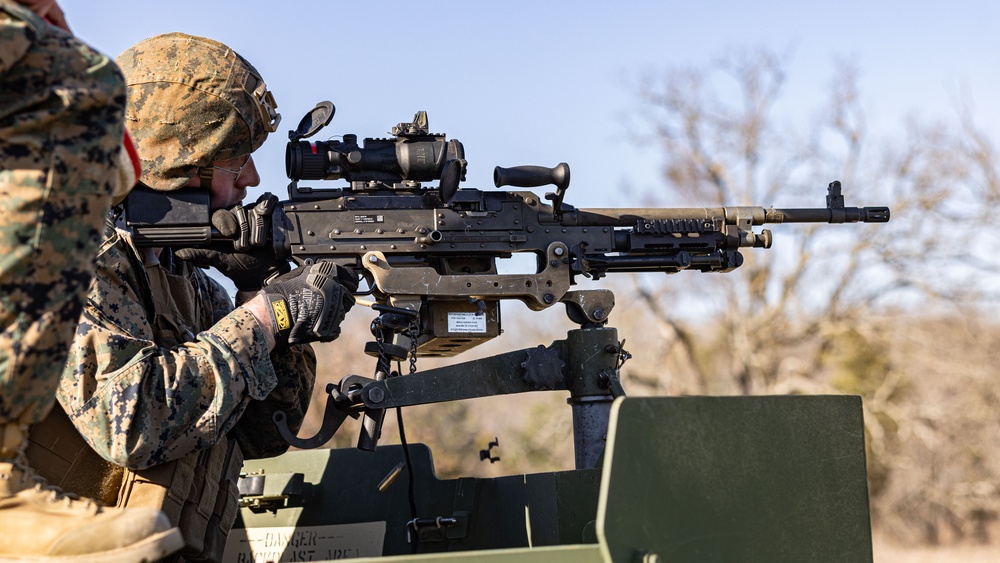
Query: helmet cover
[(192, 101)]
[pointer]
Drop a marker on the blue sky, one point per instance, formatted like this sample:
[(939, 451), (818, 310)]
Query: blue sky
[(539, 82)]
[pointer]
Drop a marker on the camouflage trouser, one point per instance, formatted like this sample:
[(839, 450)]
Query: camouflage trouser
[(61, 126)]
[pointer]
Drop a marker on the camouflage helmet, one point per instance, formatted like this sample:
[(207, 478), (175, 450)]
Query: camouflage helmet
[(192, 101)]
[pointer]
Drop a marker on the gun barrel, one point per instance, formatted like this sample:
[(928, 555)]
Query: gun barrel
[(625, 217), (828, 215)]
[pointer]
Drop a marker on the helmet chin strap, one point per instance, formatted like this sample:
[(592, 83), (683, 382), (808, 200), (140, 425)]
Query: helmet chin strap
[(205, 173)]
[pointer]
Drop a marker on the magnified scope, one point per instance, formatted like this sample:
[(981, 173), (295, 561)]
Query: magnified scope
[(412, 154)]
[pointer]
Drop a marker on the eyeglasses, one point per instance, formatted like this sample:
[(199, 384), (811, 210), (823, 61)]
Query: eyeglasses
[(236, 172)]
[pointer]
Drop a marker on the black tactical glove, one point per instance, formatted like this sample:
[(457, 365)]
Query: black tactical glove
[(252, 228), (309, 303)]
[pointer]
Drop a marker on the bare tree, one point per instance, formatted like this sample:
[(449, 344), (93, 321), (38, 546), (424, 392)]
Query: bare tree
[(724, 144), (809, 315)]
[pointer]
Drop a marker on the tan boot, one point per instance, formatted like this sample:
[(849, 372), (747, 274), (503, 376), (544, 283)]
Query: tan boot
[(40, 522)]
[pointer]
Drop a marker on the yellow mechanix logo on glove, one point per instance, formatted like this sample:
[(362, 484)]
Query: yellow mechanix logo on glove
[(280, 309)]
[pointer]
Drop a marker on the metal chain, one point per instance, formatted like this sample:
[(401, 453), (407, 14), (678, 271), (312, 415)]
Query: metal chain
[(413, 332)]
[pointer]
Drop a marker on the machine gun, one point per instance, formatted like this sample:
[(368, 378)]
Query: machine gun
[(430, 256), (434, 250)]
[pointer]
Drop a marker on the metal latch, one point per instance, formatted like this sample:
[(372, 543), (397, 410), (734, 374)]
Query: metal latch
[(260, 492), (438, 529)]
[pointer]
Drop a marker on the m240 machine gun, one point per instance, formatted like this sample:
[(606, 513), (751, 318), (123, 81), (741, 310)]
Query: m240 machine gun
[(434, 249), (655, 478)]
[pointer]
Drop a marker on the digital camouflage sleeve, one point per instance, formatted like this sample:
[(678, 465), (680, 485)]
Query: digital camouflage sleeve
[(139, 402), (61, 124)]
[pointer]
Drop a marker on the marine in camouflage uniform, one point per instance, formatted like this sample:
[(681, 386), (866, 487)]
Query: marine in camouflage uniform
[(166, 378), (61, 109), (163, 365), (61, 132)]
